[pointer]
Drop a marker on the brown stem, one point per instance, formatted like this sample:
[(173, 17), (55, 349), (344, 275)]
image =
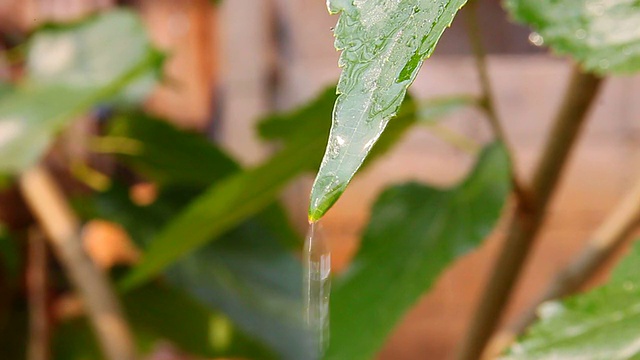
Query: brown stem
[(529, 215), (487, 100), (62, 229), (38, 348), (602, 245)]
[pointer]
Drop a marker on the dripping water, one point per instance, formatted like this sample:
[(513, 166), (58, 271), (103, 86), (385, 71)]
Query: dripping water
[(317, 287)]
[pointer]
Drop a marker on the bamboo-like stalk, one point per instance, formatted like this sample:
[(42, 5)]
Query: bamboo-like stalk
[(62, 228), (530, 213), (602, 245)]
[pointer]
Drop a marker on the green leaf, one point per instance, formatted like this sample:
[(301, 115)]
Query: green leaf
[(383, 43), (238, 197), (89, 54), (5, 88), (152, 312), (601, 324), (9, 254), (432, 110), (248, 273), (414, 233), (66, 78), (191, 160), (603, 36)]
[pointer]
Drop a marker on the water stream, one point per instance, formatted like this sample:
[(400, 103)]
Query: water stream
[(317, 287)]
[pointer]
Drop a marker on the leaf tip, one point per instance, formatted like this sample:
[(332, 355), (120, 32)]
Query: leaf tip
[(325, 192)]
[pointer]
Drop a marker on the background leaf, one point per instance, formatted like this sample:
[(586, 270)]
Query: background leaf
[(414, 233), (151, 310), (601, 324), (383, 45), (601, 35), (248, 274), (244, 194), (69, 72)]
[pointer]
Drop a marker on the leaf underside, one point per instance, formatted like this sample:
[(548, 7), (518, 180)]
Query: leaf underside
[(602, 35), (383, 43)]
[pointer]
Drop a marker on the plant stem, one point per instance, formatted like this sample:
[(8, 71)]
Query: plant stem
[(487, 99), (602, 245), (529, 215), (38, 348), (62, 228), (453, 138)]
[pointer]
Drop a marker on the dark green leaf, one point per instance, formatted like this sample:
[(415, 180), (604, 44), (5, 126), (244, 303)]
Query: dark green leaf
[(248, 274), (601, 35), (244, 194), (161, 314), (238, 197), (167, 155), (414, 233), (383, 43), (55, 91), (601, 324), (9, 254)]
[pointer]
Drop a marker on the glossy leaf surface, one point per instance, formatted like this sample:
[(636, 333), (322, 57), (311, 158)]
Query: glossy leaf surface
[(602, 35), (244, 194), (601, 324), (414, 233), (383, 43)]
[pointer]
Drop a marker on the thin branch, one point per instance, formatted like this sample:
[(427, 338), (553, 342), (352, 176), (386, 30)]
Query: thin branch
[(529, 215), (602, 245), (38, 348), (453, 138), (62, 228), (487, 99)]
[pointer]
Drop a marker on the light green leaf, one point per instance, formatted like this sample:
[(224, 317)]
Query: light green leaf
[(66, 79), (414, 233), (5, 88), (603, 36), (383, 43), (238, 197), (601, 324), (87, 55)]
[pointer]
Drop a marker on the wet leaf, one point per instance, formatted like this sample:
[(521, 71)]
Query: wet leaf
[(601, 324), (242, 195), (601, 35), (414, 233), (383, 43), (70, 69)]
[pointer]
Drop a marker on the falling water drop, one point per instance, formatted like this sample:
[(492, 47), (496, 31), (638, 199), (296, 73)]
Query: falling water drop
[(317, 287)]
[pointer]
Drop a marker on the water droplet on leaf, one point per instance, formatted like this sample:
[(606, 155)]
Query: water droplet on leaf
[(536, 39)]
